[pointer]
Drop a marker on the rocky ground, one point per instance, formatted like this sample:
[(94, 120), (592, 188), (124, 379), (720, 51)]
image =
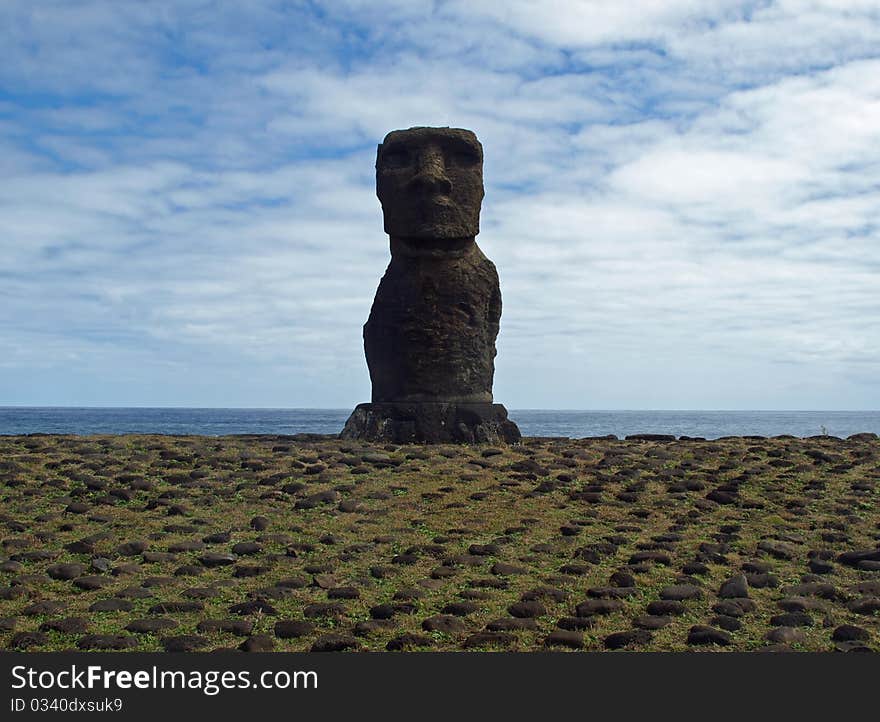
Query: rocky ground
[(306, 543)]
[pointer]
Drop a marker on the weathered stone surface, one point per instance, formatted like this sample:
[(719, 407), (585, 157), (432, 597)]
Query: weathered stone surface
[(430, 336), (432, 423)]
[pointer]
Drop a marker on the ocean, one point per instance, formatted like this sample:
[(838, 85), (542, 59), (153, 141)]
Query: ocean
[(572, 424)]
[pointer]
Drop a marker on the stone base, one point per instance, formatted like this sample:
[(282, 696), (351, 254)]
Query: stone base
[(431, 423)]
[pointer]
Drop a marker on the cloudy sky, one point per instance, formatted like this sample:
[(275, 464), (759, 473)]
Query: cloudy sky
[(681, 196)]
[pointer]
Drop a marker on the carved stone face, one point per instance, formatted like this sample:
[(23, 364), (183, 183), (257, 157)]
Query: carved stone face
[(430, 183)]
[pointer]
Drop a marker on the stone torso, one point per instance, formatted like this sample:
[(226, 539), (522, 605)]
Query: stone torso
[(432, 328)]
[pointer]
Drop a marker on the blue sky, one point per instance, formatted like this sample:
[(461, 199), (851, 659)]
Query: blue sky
[(681, 196)]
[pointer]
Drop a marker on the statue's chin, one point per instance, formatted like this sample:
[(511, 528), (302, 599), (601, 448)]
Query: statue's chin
[(434, 230), (431, 245)]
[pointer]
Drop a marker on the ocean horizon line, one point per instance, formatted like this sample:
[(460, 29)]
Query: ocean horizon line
[(511, 409)]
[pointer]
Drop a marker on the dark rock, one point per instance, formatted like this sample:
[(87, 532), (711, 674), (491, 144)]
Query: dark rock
[(90, 583), (623, 580), (151, 626), (576, 623), (853, 559), (565, 638), (593, 607), (728, 624), (460, 609), (508, 624), (618, 640), (762, 581), (814, 589), (680, 592), (159, 557), (407, 641), (65, 571), (721, 497), (444, 623), (666, 607), (785, 635), (46, 606), (68, 625), (334, 643), (255, 606), (865, 605), (192, 545), (792, 619), (651, 556), (430, 337), (850, 633), (526, 610), (611, 592), (432, 422), (293, 628), (131, 549), (184, 643), (107, 641), (343, 593), (217, 538), (557, 595), (246, 548), (259, 523), (778, 550), (258, 643), (817, 566), (735, 587), (700, 635), (25, 640), (651, 621)]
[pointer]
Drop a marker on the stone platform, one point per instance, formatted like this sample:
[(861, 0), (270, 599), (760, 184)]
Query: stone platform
[(431, 423)]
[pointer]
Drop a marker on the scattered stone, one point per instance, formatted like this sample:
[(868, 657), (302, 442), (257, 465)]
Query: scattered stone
[(334, 643), (632, 637), (680, 592), (593, 607), (258, 643), (216, 559), (68, 625), (565, 638), (293, 628), (703, 635), (26, 640), (107, 641), (445, 623), (785, 635), (65, 571), (527, 610), (408, 641), (735, 587), (184, 643), (850, 633)]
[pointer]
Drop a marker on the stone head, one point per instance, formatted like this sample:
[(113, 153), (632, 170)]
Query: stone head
[(430, 183)]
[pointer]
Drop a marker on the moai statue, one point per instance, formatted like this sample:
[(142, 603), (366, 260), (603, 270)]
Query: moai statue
[(430, 337)]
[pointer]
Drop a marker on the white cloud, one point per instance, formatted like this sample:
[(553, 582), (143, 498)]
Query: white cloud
[(680, 196)]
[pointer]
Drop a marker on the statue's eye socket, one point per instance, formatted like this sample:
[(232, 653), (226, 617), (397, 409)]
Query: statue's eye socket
[(396, 159), (463, 159)]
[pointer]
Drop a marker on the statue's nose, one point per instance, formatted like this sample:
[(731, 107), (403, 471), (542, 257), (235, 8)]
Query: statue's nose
[(431, 176)]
